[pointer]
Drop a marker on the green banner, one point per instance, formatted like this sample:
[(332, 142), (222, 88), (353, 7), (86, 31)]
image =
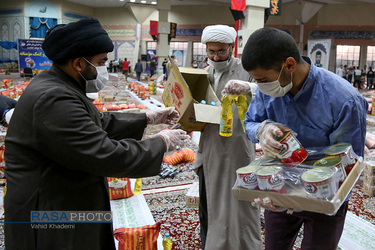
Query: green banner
[(121, 32)]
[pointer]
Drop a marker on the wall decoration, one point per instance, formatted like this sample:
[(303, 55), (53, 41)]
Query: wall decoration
[(318, 51)]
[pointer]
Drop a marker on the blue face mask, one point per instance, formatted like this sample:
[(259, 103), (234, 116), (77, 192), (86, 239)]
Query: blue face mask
[(95, 85)]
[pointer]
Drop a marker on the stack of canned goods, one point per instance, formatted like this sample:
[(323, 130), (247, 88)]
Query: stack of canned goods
[(369, 179), (319, 180)]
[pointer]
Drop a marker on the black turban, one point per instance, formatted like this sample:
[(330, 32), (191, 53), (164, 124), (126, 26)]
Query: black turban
[(83, 38)]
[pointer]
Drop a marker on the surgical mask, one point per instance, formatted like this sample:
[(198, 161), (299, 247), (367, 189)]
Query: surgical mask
[(95, 85), (219, 66), (195, 65), (274, 88)]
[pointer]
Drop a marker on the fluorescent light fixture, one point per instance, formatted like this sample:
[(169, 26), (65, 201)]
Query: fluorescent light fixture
[(143, 1), (132, 1), (154, 2), (122, 0)]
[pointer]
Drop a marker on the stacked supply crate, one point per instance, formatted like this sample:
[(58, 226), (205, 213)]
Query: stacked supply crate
[(369, 178)]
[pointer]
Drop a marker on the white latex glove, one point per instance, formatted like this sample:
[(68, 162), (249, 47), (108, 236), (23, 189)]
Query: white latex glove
[(162, 115), (236, 87), (8, 115), (266, 135), (173, 138)]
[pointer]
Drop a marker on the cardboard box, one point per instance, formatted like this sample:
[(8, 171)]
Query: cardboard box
[(302, 202), (185, 89), (368, 189), (192, 196), (370, 168), (369, 179), (2, 135), (108, 98)]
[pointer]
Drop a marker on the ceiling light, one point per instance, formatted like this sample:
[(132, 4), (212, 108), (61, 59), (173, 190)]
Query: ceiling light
[(122, 0), (153, 2), (132, 1), (143, 1)]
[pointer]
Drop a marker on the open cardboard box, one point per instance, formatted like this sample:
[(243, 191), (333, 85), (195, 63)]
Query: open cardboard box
[(298, 201), (192, 195), (185, 89)]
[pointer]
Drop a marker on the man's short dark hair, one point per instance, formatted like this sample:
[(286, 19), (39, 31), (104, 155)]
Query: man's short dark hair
[(267, 48)]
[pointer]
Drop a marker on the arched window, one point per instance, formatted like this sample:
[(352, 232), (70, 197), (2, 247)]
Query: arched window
[(16, 35), (4, 37)]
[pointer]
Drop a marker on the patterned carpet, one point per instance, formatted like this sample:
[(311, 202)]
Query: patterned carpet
[(185, 176), (182, 222)]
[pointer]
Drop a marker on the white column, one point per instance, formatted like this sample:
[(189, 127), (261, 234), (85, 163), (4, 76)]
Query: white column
[(254, 19), (162, 50)]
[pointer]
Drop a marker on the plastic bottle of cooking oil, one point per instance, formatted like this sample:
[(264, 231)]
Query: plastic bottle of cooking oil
[(4, 192), (241, 103), (226, 117), (167, 242), (138, 186)]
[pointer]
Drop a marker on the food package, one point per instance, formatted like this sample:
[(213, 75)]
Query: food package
[(144, 238), (119, 188), (184, 155)]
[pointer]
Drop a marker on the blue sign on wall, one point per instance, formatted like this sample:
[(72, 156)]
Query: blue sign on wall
[(31, 55)]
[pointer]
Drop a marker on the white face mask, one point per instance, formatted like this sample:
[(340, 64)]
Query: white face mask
[(95, 85), (274, 88), (93, 96), (195, 65), (219, 66)]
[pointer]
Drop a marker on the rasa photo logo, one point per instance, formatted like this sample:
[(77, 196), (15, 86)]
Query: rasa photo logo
[(67, 219)]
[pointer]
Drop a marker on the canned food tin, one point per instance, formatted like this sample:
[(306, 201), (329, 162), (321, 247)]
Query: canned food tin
[(293, 153), (270, 178), (246, 176), (320, 182), (345, 152), (333, 161)]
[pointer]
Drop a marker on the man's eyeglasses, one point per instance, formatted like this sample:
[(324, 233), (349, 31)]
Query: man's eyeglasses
[(217, 53)]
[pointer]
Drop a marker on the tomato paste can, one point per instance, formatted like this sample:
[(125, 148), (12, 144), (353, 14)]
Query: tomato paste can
[(293, 153), (320, 182), (246, 176), (345, 152), (270, 178), (333, 161)]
